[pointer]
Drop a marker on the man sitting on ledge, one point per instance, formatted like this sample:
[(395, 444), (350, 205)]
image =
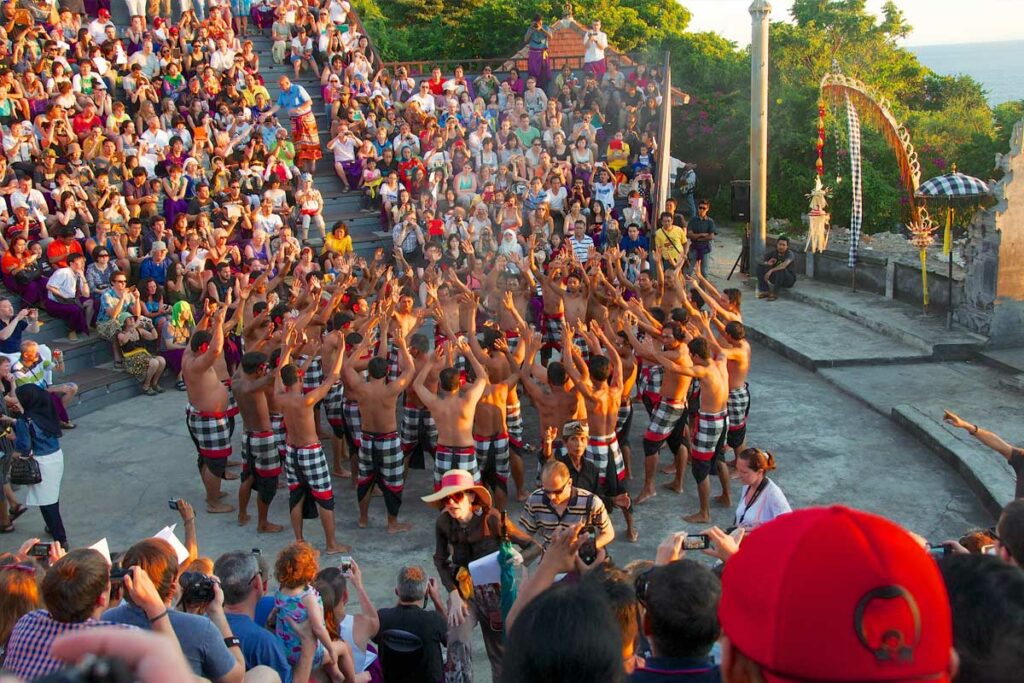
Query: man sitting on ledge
[(775, 270)]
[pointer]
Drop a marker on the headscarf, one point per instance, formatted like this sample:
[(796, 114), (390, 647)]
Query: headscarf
[(509, 244), (38, 407), (181, 314)]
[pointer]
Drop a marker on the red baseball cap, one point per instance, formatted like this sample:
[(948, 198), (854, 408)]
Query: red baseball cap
[(103, 13), (834, 594)]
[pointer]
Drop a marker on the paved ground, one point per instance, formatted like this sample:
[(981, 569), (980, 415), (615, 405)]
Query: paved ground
[(124, 462)]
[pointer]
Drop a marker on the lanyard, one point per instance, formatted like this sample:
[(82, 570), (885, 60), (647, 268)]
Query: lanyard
[(757, 494)]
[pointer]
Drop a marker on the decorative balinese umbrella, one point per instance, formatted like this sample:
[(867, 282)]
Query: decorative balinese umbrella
[(953, 189)]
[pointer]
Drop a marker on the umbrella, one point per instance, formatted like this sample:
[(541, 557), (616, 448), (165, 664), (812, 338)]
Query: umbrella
[(952, 188), (507, 562)]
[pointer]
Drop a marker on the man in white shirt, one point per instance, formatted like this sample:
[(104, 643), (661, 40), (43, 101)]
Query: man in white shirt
[(98, 26), (596, 42), (223, 58), (147, 59), (30, 198), (405, 138), (68, 296), (19, 146), (424, 99), (581, 242), (155, 138)]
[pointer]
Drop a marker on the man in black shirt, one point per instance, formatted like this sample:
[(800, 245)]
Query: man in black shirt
[(569, 451), (404, 662), (701, 231), (774, 271)]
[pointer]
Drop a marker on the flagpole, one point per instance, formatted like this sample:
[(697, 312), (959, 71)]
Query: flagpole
[(949, 272)]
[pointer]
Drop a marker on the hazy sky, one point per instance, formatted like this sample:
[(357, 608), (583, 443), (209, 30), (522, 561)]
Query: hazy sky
[(934, 21)]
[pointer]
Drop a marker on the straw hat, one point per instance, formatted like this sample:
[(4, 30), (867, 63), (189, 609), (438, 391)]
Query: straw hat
[(453, 482)]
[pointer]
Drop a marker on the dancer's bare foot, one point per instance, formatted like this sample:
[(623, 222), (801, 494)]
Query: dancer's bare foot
[(269, 528), (243, 518), (632, 535), (645, 496), (698, 518), (222, 494), (399, 527), (668, 469), (522, 496), (338, 549), (723, 500), (217, 508), (363, 521), (673, 487)]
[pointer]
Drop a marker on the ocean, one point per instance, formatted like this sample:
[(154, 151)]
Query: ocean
[(999, 67)]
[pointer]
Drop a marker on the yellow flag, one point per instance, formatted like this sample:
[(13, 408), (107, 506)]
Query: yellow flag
[(947, 236)]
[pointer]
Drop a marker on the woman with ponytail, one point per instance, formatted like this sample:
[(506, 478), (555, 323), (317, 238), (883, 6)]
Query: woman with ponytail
[(761, 500)]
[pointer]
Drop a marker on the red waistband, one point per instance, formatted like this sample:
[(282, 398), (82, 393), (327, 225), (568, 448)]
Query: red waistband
[(511, 334), (455, 449), (378, 436), (602, 440), (213, 414), (262, 435), (485, 439), (308, 446)]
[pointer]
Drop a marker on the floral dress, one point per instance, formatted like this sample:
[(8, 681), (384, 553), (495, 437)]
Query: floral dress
[(291, 606)]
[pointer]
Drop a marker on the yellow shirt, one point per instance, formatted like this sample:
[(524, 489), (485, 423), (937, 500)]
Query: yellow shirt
[(249, 95), (336, 245), (672, 242)]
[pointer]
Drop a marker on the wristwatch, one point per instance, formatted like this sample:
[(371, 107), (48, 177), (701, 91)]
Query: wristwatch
[(233, 642)]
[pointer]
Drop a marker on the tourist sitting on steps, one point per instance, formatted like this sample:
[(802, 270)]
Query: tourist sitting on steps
[(775, 270)]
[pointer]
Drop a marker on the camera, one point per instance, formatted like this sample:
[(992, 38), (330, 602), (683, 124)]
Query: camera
[(697, 542), (117, 574), (588, 547), (173, 503), (939, 550), (345, 564), (197, 588), (40, 550), (93, 669)]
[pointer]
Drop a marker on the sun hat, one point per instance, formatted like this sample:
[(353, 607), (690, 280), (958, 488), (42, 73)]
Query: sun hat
[(453, 482), (835, 594)]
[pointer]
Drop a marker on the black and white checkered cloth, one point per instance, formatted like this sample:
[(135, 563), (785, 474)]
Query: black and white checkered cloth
[(309, 463), (666, 416), (708, 433), (380, 455), (259, 453), (417, 424), (353, 420), (314, 376), (455, 458), (953, 185), (211, 431), (857, 210), (604, 451), (738, 407), (492, 452), (334, 405)]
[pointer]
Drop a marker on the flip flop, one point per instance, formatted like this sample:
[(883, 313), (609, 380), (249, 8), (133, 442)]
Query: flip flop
[(18, 512)]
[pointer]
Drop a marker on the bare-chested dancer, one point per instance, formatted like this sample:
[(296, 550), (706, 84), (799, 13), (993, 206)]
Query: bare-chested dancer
[(711, 368), (261, 461), (453, 409), (207, 411), (381, 461), (556, 399), (668, 416), (490, 429), (305, 463), (568, 303), (600, 382)]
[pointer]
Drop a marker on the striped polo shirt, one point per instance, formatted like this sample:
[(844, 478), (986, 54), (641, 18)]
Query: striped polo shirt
[(539, 516)]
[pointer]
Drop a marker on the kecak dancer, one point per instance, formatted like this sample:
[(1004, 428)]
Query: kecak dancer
[(261, 458)]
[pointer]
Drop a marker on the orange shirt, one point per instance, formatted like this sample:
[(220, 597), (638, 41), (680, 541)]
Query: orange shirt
[(58, 250)]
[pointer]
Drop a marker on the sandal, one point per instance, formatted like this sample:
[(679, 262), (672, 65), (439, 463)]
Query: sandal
[(180, 385), (18, 512), (159, 389), (150, 391), (119, 365)]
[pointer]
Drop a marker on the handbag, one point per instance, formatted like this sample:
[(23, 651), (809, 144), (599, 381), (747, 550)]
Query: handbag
[(28, 274), (25, 471)]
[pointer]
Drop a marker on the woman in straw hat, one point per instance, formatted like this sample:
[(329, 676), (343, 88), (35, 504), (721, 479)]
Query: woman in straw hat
[(468, 529)]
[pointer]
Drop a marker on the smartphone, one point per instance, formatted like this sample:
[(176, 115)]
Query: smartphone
[(41, 550), (257, 552), (117, 574), (345, 564), (173, 503), (697, 542), (938, 550)]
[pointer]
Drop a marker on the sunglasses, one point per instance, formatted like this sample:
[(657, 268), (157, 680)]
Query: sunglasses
[(641, 585), (455, 498), (548, 492)]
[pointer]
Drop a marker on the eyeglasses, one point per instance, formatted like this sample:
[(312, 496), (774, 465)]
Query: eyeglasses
[(642, 585), (558, 491), (120, 282), (455, 498)]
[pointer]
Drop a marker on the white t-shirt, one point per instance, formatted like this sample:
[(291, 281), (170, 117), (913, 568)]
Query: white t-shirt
[(596, 46), (425, 101), (769, 505), (65, 281), (344, 150)]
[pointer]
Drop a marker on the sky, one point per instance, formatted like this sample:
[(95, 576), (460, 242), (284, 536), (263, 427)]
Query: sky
[(935, 22)]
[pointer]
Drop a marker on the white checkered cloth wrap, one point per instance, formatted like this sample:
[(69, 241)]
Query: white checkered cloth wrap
[(314, 376), (455, 458), (416, 423), (381, 455), (353, 420), (212, 431), (334, 405), (709, 430), (738, 407), (602, 450), (667, 415), (259, 452), (494, 448), (857, 210), (310, 464)]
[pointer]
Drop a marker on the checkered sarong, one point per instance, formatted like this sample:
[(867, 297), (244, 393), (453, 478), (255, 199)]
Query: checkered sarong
[(454, 458), (693, 397), (708, 433), (393, 369), (314, 376), (857, 209), (417, 423), (625, 411), (514, 423), (552, 326), (667, 415), (307, 465), (380, 456), (651, 377), (334, 405), (259, 453), (353, 420), (605, 453), (492, 454), (738, 407), (211, 431), (512, 337), (232, 403), (277, 424)]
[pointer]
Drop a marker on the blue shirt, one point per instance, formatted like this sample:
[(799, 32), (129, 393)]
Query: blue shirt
[(157, 271), (293, 97), (201, 641), (259, 646), (13, 343), (676, 670), (37, 441)]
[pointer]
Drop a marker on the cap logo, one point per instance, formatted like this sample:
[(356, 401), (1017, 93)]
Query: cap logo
[(881, 621)]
